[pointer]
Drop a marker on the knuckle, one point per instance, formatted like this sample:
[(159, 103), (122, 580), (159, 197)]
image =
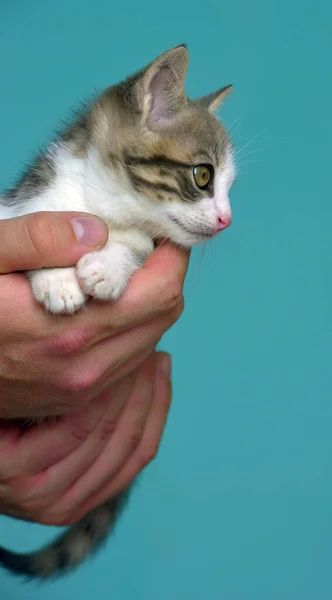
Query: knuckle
[(177, 311), (165, 402), (139, 400), (24, 493), (28, 493), (107, 428), (77, 380), (34, 506), (171, 293), (71, 341), (30, 507), (42, 235), (147, 454), (28, 497), (81, 428), (54, 517), (134, 438)]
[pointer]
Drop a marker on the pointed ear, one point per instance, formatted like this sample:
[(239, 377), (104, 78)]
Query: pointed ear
[(162, 85), (213, 101)]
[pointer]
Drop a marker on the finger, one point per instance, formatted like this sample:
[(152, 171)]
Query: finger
[(167, 254), (97, 366), (131, 365), (88, 374), (42, 445), (121, 445), (160, 281), (145, 451), (37, 492), (48, 239), (11, 510), (153, 290)]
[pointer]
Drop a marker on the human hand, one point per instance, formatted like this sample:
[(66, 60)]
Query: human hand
[(52, 365), (56, 473)]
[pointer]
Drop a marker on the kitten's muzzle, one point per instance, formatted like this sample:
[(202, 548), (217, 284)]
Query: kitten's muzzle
[(221, 223)]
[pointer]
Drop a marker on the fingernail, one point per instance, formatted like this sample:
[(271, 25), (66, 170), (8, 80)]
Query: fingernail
[(89, 231), (165, 365)]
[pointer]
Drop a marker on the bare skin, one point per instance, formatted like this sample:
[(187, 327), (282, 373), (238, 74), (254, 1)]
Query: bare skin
[(97, 370)]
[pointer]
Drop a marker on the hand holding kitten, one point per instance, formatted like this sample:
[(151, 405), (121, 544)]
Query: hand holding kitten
[(98, 369), (54, 365), (57, 473)]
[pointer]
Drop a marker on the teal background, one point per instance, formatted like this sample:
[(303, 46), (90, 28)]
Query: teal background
[(238, 504)]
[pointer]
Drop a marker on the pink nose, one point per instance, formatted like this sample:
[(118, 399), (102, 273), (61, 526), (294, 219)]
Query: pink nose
[(223, 222)]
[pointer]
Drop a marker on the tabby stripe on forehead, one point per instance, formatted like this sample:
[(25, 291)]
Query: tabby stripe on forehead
[(139, 182), (156, 161)]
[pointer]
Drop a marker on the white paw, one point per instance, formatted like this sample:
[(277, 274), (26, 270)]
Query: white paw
[(57, 289), (101, 277)]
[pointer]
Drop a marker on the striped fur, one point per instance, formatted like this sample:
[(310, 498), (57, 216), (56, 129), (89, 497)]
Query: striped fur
[(67, 551)]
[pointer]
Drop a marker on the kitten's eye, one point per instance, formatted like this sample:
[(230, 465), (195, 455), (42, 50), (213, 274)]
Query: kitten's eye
[(202, 176)]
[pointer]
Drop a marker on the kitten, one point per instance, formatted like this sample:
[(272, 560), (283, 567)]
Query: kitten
[(146, 159), (152, 163)]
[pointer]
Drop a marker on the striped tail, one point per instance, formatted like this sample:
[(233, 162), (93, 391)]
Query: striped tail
[(70, 549)]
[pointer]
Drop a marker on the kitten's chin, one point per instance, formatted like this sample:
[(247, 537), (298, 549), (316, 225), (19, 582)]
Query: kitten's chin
[(186, 237), (188, 240)]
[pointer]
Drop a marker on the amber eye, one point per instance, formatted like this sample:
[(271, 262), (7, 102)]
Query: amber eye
[(202, 176)]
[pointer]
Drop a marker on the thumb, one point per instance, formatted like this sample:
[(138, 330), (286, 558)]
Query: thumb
[(48, 239)]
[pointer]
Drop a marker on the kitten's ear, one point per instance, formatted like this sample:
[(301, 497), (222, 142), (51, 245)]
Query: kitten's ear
[(213, 101), (162, 85)]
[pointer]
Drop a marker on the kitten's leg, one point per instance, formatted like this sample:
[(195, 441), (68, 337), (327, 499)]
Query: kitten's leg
[(57, 289), (105, 274)]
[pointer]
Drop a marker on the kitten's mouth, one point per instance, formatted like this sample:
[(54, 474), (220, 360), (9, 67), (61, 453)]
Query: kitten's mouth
[(201, 234)]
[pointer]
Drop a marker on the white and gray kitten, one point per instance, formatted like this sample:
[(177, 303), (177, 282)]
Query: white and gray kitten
[(153, 164)]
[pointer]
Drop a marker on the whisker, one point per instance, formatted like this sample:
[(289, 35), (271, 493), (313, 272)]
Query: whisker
[(249, 162), (236, 121), (249, 142), (248, 152)]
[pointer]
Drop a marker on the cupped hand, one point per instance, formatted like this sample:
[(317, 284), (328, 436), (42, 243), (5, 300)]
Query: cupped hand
[(56, 473), (54, 365)]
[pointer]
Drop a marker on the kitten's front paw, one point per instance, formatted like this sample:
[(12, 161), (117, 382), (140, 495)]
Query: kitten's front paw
[(100, 277), (57, 289)]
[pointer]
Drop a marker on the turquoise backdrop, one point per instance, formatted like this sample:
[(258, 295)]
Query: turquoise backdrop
[(238, 504)]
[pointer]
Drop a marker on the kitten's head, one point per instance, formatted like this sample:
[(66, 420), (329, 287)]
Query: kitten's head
[(175, 154)]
